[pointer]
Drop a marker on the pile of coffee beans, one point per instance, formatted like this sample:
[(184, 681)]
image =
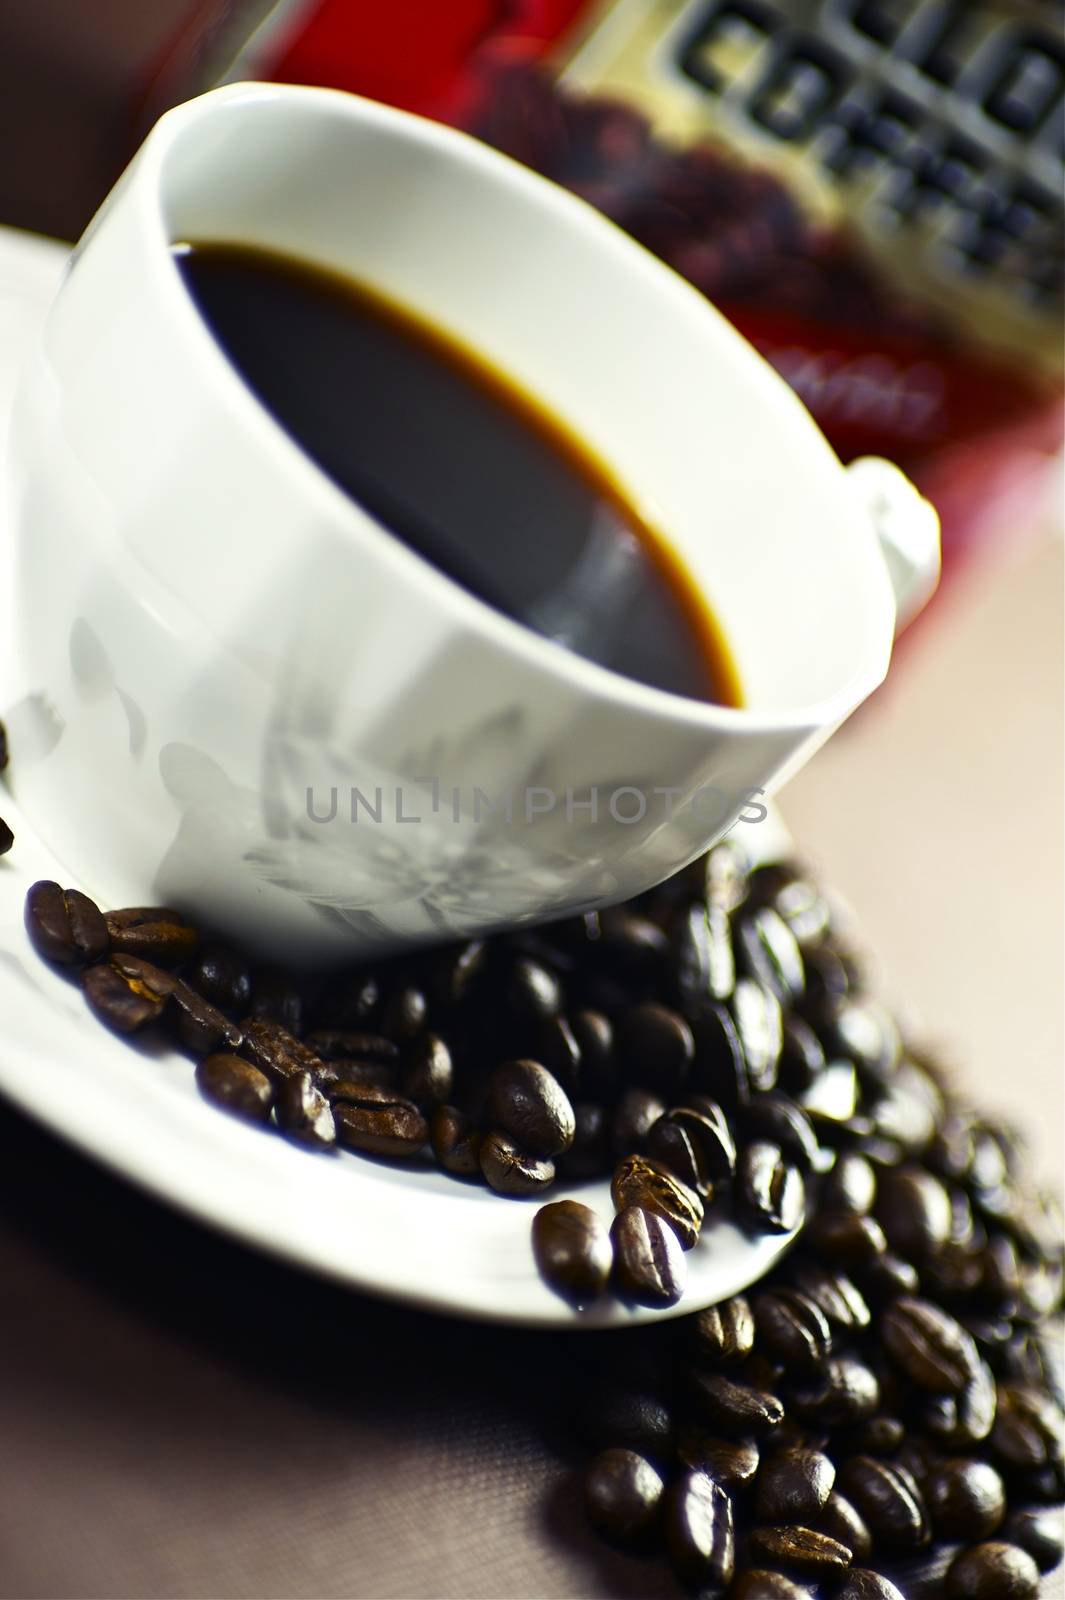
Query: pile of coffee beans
[(881, 1414)]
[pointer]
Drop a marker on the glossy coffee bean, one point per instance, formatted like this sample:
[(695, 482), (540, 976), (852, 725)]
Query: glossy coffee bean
[(455, 1141), (380, 1122), (880, 1436), (844, 1392), (801, 1551), (792, 1328), (1040, 1530), (427, 1076), (404, 1013), (634, 1116), (276, 1051), (594, 1035), (697, 1520), (720, 1067), (704, 959), (966, 1499), (773, 1118), (622, 1495), (861, 1583), (64, 925), (771, 1196), (649, 1265), (629, 1420), (793, 1486), (202, 1028), (850, 1186), (530, 1106), (572, 1250), (695, 1143), (236, 1086), (767, 949), (126, 1004), (655, 1047), (1029, 1430), (724, 1334), (557, 1049), (802, 1058), (733, 1407), (759, 1024), (223, 977), (303, 1112), (758, 1583), (886, 1277), (152, 933), (961, 1420), (992, 1571), (532, 991), (847, 1239), (733, 1463), (843, 1521), (512, 1171), (914, 1210), (638, 1181), (457, 969), (929, 1346), (833, 1293), (889, 1500)]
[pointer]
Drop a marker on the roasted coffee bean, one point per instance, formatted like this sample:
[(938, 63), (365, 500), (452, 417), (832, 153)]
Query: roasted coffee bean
[(724, 1334), (588, 1156), (834, 1294), (276, 998), (1040, 1530), (775, 1119), (844, 1237), (697, 1518), (705, 963), (404, 1014), (695, 1143), (759, 1024), (792, 1328), (768, 950), (572, 1250), (532, 991), (340, 1080), (629, 1420), (793, 1486), (153, 933), (632, 946), (303, 1112), (757, 1583), (634, 1116), (992, 1571), (850, 1186), (888, 1499), (965, 1498), (655, 1046), (865, 1034), (720, 1068), (880, 1436), (455, 1141), (223, 978), (1028, 1430), (843, 1521), (800, 1550), (771, 1195), (649, 1264), (861, 1583), (380, 1123), (236, 1086), (353, 1044), (638, 1181), (456, 970), (961, 1420), (557, 1049), (929, 1346), (64, 925), (886, 1277), (802, 1059), (914, 1210), (843, 1393), (276, 1051), (527, 1103), (622, 1494), (197, 1024), (125, 1004), (733, 1463), (512, 1171), (736, 1409), (427, 1076), (594, 1034)]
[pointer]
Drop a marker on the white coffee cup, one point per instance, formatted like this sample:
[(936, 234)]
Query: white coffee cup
[(219, 640)]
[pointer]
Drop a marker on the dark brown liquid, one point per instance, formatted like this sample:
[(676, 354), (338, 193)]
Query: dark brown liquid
[(460, 465)]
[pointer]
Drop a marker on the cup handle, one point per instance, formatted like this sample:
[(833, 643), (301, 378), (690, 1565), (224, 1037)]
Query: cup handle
[(908, 529)]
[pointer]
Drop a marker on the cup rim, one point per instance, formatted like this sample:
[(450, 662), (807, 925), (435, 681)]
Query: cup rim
[(545, 656)]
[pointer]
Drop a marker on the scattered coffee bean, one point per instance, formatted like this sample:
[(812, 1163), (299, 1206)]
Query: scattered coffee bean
[(772, 1196), (993, 1571), (834, 1294), (572, 1250), (638, 1181), (198, 1025), (276, 1051), (622, 1494), (153, 933), (930, 1347), (799, 1550), (223, 978), (844, 1392), (699, 1530), (630, 1420), (733, 1463), (456, 1142), (735, 1408), (649, 1265), (527, 1103), (888, 1499), (724, 1333), (380, 1123), (509, 1170), (64, 925), (966, 1499), (236, 1086), (126, 1004), (696, 1144), (793, 1486), (792, 1328)]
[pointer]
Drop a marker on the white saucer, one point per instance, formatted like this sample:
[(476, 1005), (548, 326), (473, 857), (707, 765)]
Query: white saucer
[(415, 1235)]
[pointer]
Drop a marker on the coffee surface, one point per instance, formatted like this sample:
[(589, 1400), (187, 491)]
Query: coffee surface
[(462, 466)]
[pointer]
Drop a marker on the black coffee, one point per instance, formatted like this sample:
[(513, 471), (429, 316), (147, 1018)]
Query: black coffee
[(461, 465)]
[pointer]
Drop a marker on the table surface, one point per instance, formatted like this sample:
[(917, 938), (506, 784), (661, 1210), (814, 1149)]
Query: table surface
[(183, 1418)]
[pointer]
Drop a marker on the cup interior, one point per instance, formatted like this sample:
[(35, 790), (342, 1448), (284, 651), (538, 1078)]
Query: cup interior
[(708, 441)]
